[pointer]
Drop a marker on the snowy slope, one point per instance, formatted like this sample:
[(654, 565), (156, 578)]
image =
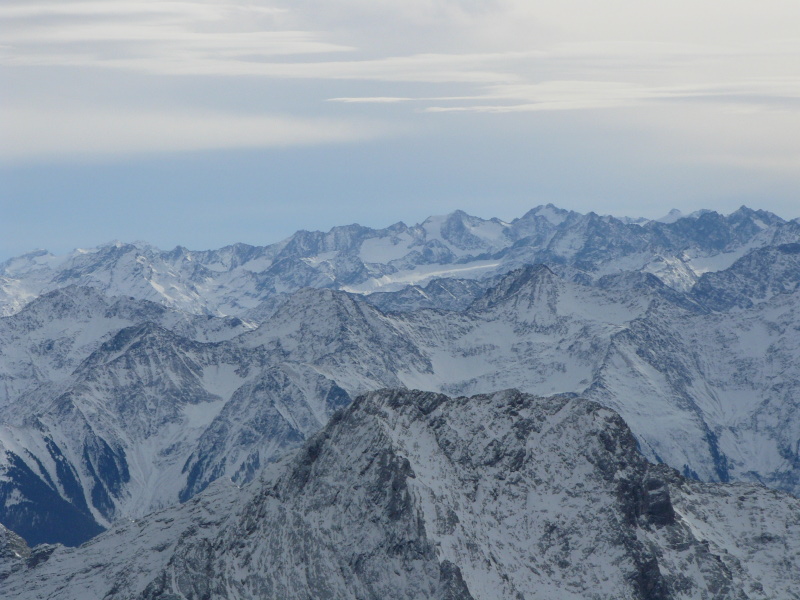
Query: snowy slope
[(152, 417), (414, 495), (46, 340), (115, 405)]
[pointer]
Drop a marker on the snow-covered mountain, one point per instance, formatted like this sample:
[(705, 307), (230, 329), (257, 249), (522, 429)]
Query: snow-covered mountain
[(249, 282), (116, 405), (151, 417), (417, 495)]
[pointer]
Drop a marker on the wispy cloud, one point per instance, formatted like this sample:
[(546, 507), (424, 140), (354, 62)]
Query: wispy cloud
[(237, 38), (103, 134), (592, 95), (111, 33), (370, 100), (423, 56)]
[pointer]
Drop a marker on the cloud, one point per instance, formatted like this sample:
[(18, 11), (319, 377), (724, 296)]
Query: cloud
[(408, 58), (34, 134), (592, 95), (213, 40), (368, 100), (417, 68), (99, 33), (479, 43)]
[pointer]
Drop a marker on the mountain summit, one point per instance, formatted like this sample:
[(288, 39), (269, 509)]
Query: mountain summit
[(417, 495)]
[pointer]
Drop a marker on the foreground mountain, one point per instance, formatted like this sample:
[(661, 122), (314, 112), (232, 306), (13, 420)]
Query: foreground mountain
[(417, 495), (249, 281)]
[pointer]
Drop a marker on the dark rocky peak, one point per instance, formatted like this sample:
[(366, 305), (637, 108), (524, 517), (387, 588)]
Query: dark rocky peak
[(176, 255), (325, 301), (72, 301), (326, 313), (631, 285), (347, 237), (232, 257), (746, 223), (434, 252), (106, 258), (486, 452), (75, 307), (86, 302), (397, 228), (757, 276), (138, 343), (606, 237), (311, 243), (143, 377), (440, 293), (584, 241), (456, 229), (12, 548), (712, 233), (785, 233), (463, 231), (302, 243), (532, 282), (535, 228), (673, 215), (548, 213), (409, 494), (762, 218), (709, 231), (341, 332)]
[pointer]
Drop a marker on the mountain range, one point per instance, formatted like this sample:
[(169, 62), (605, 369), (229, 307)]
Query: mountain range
[(139, 380)]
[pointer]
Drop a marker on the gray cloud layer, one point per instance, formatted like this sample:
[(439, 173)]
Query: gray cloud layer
[(682, 61)]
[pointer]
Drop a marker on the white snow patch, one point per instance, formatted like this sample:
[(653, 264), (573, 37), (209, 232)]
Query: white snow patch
[(314, 261), (421, 275), (385, 249), (202, 413)]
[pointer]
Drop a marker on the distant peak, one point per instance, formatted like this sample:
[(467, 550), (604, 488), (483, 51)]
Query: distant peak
[(400, 226), (672, 216), (457, 215), (761, 218), (549, 212)]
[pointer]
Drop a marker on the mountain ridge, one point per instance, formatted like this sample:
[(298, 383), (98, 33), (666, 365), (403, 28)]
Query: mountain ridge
[(412, 494), (244, 281)]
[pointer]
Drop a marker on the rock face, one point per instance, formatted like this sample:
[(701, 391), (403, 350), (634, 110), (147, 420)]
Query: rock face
[(13, 551), (417, 495), (756, 277)]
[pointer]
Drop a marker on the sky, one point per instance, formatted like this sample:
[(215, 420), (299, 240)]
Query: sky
[(205, 123)]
